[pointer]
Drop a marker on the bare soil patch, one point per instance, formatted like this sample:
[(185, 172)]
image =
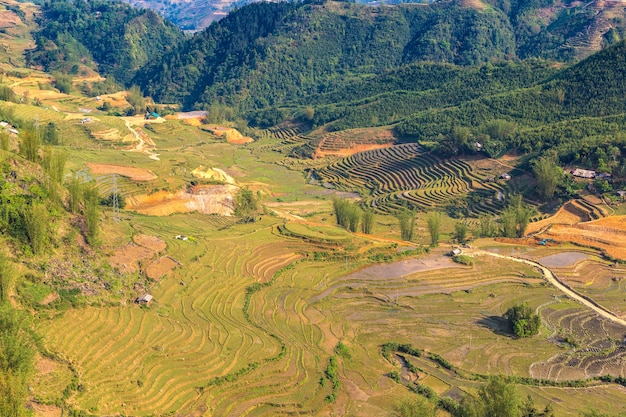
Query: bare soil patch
[(231, 135), (198, 114), (211, 199), (49, 298), (44, 410), (9, 19), (45, 366), (127, 257), (151, 242), (161, 267), (135, 174), (473, 4)]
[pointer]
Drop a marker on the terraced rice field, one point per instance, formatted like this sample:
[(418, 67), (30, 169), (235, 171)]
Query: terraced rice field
[(128, 356), (206, 347), (606, 234), (401, 175), (350, 141), (594, 277), (601, 350)]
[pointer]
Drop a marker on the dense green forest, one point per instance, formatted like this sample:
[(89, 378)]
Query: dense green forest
[(429, 70), (116, 36), (266, 54)]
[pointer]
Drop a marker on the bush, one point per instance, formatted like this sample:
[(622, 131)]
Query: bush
[(464, 260), (523, 322)]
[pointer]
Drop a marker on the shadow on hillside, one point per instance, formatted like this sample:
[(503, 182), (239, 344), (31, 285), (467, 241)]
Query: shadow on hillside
[(498, 325)]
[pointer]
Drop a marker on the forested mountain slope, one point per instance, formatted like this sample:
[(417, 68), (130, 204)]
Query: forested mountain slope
[(119, 38), (267, 54)]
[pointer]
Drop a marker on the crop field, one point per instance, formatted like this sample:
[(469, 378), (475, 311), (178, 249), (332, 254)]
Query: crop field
[(351, 141), (400, 175), (208, 344), (247, 316), (606, 234)]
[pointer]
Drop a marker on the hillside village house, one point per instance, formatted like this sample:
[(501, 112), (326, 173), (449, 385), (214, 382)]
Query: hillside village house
[(583, 173)]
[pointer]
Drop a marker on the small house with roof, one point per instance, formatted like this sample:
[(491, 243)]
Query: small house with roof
[(144, 299), (584, 173)]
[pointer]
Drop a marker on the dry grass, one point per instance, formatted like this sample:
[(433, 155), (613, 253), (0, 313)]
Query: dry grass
[(135, 174), (607, 234)]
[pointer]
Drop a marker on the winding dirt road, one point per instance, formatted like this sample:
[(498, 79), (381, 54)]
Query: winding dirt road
[(552, 279), (141, 145)]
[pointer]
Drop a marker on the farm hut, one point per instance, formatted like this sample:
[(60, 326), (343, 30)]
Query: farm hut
[(584, 173), (622, 194), (505, 176), (603, 176), (144, 299), (455, 252)]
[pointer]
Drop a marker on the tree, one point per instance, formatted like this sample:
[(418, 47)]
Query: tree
[(53, 163), (91, 212), (460, 231), (29, 144), (5, 141), (500, 130), (497, 398), (75, 188), (246, 204), (367, 221), (354, 215), (50, 134), (416, 407), (63, 82), (308, 114), (7, 278), (515, 217), (522, 320), (548, 174), (529, 409), (406, 220), (16, 362), (434, 224), (508, 220), (136, 100), (36, 222), (486, 226)]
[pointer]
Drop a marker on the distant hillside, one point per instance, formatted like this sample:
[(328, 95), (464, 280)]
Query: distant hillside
[(191, 15), (119, 38), (266, 53)]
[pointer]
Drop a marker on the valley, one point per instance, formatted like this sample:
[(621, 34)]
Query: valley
[(357, 250)]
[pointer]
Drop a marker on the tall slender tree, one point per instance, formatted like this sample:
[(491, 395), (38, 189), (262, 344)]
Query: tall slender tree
[(434, 226)]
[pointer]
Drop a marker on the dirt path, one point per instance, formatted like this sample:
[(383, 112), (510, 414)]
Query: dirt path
[(552, 279), (141, 145)]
